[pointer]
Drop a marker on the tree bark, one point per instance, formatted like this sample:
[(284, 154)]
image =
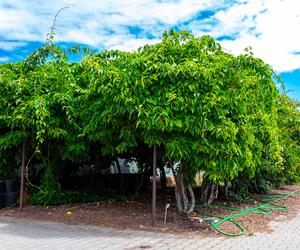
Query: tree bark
[(209, 192), (191, 192), (183, 203)]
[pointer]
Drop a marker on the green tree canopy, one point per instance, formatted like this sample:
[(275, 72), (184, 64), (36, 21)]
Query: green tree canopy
[(206, 109)]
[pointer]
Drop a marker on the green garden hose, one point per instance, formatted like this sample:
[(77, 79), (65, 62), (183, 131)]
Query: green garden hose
[(269, 205)]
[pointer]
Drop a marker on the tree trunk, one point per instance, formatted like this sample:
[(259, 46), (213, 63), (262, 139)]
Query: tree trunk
[(226, 190), (184, 205), (209, 192)]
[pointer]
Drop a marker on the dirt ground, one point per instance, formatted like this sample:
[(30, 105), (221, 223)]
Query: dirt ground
[(137, 215)]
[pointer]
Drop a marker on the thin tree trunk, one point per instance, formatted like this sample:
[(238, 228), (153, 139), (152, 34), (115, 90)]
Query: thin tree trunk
[(209, 192), (182, 199), (182, 193), (226, 190), (178, 200), (191, 192), (177, 193)]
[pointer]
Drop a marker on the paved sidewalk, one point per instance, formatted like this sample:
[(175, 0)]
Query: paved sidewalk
[(34, 235)]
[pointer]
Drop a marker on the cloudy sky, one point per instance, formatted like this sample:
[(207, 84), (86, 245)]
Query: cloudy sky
[(270, 27)]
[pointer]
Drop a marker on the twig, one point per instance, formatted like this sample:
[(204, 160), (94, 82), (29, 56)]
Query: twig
[(48, 40)]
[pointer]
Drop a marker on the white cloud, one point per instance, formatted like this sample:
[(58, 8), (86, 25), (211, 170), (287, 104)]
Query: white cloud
[(4, 59), (11, 45), (270, 27), (130, 44), (89, 21)]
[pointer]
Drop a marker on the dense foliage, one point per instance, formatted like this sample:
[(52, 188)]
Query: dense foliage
[(206, 109)]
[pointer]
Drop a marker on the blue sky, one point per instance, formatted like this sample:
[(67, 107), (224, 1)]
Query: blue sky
[(270, 27)]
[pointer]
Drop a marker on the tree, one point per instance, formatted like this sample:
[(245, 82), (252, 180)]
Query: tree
[(190, 96), (205, 109)]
